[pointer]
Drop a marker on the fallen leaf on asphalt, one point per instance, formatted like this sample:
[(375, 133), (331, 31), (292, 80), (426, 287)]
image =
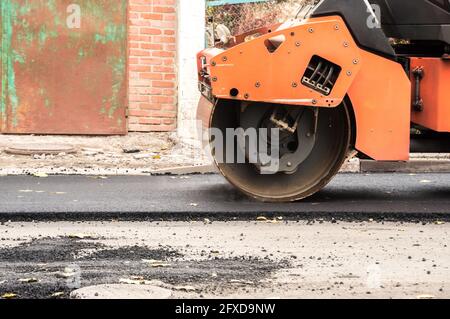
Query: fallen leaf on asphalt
[(41, 175), (9, 295), (134, 281), (439, 222), (68, 273), (261, 219), (157, 157), (193, 204), (131, 150), (28, 280), (130, 281), (57, 295), (237, 281), (80, 236), (156, 263), (26, 191), (161, 265), (60, 193), (184, 288), (98, 177), (425, 181), (426, 297), (151, 261), (88, 151)]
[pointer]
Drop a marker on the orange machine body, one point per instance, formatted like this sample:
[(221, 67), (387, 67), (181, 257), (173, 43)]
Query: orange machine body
[(435, 93), (379, 89)]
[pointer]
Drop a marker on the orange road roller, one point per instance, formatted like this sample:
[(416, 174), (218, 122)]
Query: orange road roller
[(285, 106)]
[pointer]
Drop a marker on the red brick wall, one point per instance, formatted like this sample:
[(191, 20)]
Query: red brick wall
[(152, 65)]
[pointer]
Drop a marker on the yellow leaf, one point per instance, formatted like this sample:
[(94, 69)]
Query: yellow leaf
[(9, 295), (156, 263), (41, 175), (28, 280), (134, 281), (80, 236)]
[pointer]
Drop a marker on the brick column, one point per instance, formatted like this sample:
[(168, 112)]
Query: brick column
[(152, 65)]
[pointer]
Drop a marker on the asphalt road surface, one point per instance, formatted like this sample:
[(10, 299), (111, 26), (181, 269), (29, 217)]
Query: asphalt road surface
[(390, 196), (364, 236)]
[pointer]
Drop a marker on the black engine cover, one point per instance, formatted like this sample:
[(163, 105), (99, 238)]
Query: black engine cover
[(420, 20), (417, 20), (356, 14)]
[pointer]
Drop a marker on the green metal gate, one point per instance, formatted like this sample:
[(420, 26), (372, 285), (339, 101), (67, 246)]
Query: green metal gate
[(63, 66)]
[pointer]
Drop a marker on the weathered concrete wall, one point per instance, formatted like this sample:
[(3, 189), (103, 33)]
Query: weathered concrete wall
[(191, 39)]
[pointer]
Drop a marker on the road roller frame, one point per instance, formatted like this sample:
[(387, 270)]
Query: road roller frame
[(331, 56)]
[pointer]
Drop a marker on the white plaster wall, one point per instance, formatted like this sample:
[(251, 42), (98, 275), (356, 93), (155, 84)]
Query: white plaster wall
[(191, 40)]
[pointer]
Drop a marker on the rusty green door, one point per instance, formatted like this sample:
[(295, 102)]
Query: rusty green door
[(63, 66)]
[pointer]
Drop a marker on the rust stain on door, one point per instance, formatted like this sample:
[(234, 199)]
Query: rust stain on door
[(61, 74)]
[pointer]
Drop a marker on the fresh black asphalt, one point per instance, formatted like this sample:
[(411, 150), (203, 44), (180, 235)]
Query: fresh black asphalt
[(349, 196)]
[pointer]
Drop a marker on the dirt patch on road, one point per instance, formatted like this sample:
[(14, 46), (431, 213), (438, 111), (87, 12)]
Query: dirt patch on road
[(43, 267), (46, 250)]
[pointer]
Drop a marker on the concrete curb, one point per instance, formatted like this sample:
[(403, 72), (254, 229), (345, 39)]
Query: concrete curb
[(414, 166), (187, 170), (420, 163)]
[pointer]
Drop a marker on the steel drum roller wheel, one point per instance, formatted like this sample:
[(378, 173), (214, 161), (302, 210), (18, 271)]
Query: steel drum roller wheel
[(332, 142)]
